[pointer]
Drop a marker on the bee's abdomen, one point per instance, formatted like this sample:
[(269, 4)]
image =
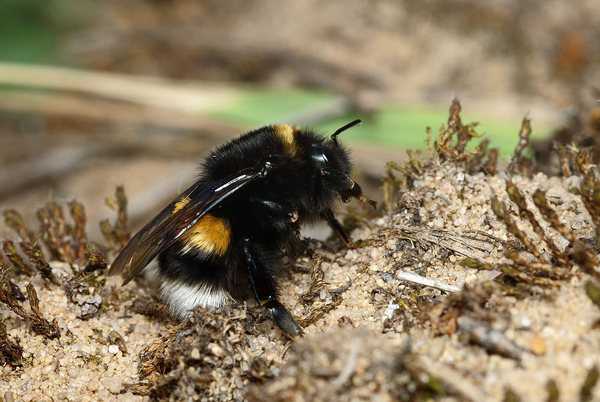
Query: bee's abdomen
[(211, 235)]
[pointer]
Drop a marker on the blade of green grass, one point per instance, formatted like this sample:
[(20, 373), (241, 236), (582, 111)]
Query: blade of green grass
[(395, 125)]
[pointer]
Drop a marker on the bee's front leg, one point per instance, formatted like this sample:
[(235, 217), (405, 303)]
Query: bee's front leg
[(265, 290), (335, 225)]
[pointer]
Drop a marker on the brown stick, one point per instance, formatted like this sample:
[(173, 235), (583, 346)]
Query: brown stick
[(140, 90)]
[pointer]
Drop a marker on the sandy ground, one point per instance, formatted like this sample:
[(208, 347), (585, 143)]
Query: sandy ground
[(365, 315)]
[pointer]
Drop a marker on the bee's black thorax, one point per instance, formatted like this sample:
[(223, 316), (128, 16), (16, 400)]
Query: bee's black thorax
[(294, 181)]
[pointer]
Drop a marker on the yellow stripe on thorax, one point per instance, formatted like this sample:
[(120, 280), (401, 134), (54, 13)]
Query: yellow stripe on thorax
[(287, 135)]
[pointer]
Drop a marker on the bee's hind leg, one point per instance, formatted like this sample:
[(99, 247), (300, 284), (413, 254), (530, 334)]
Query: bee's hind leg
[(264, 288)]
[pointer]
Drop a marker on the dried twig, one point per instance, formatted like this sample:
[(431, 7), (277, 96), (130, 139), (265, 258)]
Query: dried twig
[(15, 221), (116, 234), (78, 215), (490, 339), (550, 215), (518, 198), (144, 91), (11, 352), (503, 214), (564, 158), (38, 323), (317, 283), (474, 244), (36, 257), (515, 165), (491, 164), (429, 282), (16, 260)]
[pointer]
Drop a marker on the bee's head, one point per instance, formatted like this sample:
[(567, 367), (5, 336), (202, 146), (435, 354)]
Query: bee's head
[(331, 165)]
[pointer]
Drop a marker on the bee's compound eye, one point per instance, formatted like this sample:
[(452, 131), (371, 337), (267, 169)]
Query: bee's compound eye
[(320, 158)]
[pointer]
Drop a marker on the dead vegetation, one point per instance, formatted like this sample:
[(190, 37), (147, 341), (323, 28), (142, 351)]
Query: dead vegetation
[(214, 355), (77, 266)]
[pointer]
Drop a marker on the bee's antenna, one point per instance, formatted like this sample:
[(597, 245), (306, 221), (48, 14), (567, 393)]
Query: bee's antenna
[(344, 128)]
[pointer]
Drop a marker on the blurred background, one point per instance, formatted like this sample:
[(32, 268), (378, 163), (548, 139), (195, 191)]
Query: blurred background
[(96, 94)]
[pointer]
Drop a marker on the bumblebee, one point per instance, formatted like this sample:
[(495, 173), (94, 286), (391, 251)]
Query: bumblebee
[(224, 238)]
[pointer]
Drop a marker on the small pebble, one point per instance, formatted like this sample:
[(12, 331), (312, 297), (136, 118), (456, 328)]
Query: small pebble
[(390, 310), (537, 345)]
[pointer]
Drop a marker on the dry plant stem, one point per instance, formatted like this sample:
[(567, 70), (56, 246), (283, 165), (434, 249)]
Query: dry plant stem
[(36, 257), (116, 234), (590, 195), (11, 352), (536, 268), (491, 165), (503, 214), (586, 258), (518, 198), (83, 108), (442, 145), (145, 91), (550, 215), (524, 134), (473, 244), (429, 282), (564, 158), (53, 232), (15, 221), (490, 339), (583, 161), (477, 158), (62, 231), (319, 311), (529, 277), (38, 323), (16, 260), (317, 283), (77, 211)]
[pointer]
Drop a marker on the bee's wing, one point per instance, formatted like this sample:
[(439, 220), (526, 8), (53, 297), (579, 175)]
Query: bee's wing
[(171, 223)]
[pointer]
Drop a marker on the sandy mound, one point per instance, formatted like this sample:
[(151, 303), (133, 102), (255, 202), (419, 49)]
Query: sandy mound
[(506, 260)]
